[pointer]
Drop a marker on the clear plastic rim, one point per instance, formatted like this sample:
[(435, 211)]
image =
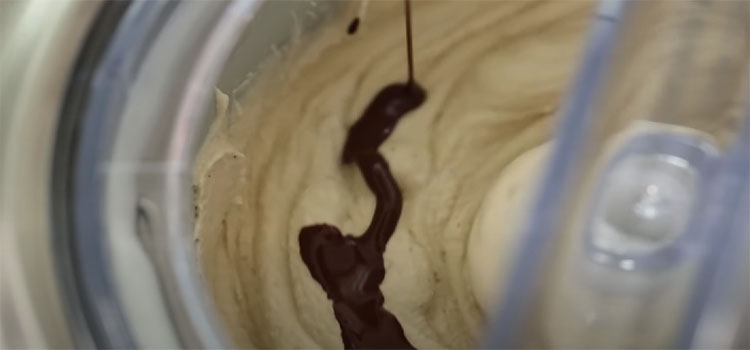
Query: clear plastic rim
[(162, 222), (505, 329)]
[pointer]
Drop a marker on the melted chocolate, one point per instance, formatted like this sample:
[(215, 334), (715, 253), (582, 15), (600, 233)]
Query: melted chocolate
[(353, 26), (350, 269), (409, 49), (380, 118)]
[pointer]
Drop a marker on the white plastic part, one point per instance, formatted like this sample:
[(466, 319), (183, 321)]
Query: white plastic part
[(646, 204), (39, 44)]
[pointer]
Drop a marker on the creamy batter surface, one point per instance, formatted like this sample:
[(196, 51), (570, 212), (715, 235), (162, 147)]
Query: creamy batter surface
[(465, 160), (494, 72)]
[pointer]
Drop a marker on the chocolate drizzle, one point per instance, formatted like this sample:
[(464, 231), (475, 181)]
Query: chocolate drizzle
[(353, 26), (350, 269), (409, 46)]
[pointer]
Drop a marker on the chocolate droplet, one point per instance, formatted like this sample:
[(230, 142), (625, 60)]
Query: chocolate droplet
[(353, 26)]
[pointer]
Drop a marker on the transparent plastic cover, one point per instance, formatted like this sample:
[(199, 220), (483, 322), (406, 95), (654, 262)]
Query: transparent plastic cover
[(638, 236)]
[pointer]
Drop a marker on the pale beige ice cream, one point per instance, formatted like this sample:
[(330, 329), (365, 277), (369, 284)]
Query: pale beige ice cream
[(494, 71)]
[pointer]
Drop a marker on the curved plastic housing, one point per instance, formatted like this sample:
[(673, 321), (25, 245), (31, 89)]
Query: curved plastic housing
[(635, 238), (140, 124), (132, 236)]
